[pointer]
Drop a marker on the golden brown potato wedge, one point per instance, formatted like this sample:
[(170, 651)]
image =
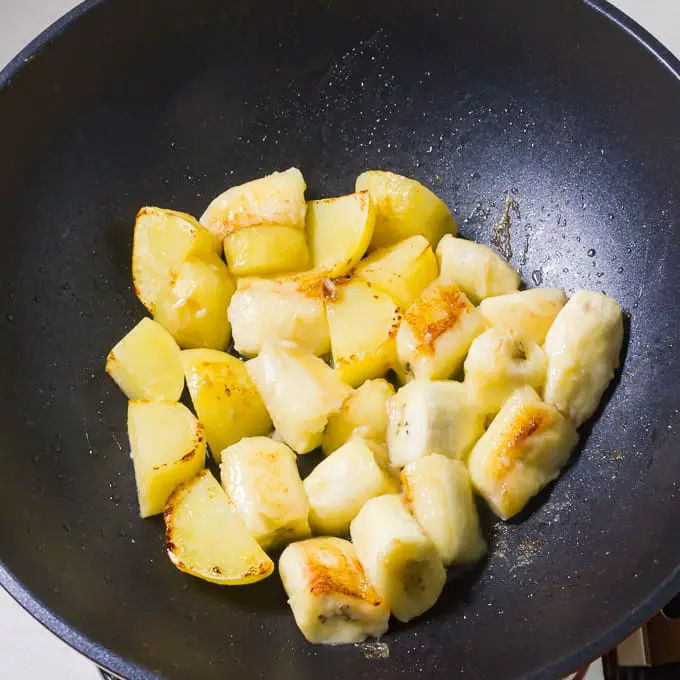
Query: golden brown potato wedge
[(225, 398), (206, 537), (163, 239), (167, 446)]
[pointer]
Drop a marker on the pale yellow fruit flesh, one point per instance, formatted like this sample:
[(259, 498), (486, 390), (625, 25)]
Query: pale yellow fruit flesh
[(524, 449), (364, 414), (300, 391), (286, 308), (194, 307), (163, 239), (432, 416), (146, 363), (583, 347), (339, 231), (475, 268), (363, 322), (498, 362), (529, 313), (225, 398), (167, 447), (265, 251), (401, 563), (339, 485), (438, 493), (402, 270), (261, 478), (206, 537), (405, 208)]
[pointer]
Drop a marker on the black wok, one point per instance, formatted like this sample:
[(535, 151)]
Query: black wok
[(566, 105)]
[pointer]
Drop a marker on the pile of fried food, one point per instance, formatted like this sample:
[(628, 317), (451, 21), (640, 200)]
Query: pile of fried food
[(324, 299)]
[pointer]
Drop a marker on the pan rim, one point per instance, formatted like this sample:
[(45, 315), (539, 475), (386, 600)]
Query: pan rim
[(116, 664)]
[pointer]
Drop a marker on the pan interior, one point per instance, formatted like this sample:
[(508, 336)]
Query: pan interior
[(168, 103)]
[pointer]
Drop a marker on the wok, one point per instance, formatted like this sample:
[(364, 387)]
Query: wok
[(566, 106)]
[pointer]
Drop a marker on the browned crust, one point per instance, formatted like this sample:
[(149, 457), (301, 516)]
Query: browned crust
[(191, 454), (144, 210), (258, 569), (434, 314), (223, 228), (526, 427), (221, 378), (175, 498), (362, 199), (111, 360), (321, 287), (345, 576), (396, 324), (315, 285), (525, 424)]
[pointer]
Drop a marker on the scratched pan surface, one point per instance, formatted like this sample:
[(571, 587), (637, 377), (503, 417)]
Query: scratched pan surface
[(168, 102)]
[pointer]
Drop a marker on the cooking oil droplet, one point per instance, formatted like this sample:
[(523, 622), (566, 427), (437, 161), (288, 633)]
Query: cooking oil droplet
[(537, 277), (591, 252)]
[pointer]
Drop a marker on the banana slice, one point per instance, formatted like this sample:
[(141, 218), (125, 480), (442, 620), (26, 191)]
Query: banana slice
[(339, 486), (529, 312), (300, 392), (261, 478), (438, 492), (332, 601), (364, 414), (399, 560), (524, 449), (583, 347), (427, 417), (499, 361), (476, 269), (436, 332), (288, 308)]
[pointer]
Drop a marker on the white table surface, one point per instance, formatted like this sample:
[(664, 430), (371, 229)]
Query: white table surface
[(27, 650)]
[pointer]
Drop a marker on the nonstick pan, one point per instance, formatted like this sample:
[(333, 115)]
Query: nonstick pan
[(565, 106)]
